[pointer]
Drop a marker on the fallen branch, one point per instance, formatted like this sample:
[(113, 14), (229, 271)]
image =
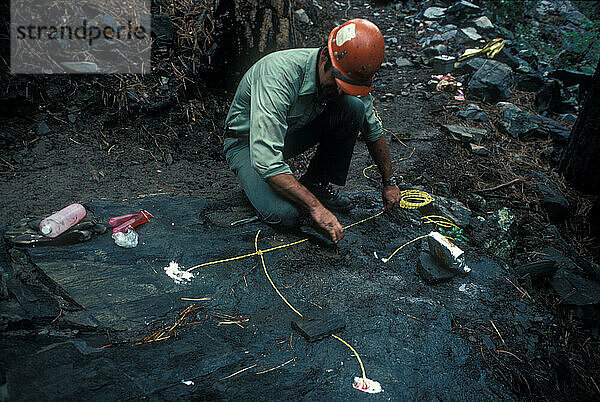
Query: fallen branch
[(500, 185)]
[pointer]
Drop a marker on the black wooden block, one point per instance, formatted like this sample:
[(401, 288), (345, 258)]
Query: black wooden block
[(431, 271), (314, 329)]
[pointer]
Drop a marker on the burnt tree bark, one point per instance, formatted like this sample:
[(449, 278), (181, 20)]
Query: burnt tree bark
[(253, 28), (580, 162)]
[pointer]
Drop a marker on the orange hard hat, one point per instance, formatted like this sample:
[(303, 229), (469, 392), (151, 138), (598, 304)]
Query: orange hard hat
[(356, 49)]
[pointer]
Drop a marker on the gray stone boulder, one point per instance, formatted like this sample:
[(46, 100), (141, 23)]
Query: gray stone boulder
[(431, 271), (530, 57), (518, 123), (483, 24), (467, 37), (450, 208), (552, 200), (465, 134), (441, 38), (434, 13), (549, 128), (505, 56), (479, 149), (437, 50), (549, 98), (515, 122), (403, 62), (448, 27), (462, 11), (473, 113), (571, 78), (529, 81), (575, 289), (43, 128), (491, 82), (470, 65)]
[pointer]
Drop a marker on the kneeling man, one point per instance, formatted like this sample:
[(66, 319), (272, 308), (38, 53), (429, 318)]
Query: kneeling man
[(294, 99)]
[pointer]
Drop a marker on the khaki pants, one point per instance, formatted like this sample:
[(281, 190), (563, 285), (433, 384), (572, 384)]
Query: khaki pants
[(335, 131)]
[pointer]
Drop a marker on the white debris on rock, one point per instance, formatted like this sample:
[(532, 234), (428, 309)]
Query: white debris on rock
[(188, 382), (371, 386), (177, 274)]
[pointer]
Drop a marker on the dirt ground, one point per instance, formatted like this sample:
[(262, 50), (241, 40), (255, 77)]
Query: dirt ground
[(418, 340)]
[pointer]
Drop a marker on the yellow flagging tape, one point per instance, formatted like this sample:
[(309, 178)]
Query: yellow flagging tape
[(262, 260), (491, 49), (355, 354), (441, 221)]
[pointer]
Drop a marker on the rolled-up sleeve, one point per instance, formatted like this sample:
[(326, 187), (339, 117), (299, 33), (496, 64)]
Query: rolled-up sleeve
[(270, 101), (372, 129)]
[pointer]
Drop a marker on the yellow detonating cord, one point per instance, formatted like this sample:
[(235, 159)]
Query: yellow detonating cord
[(357, 357), (262, 260)]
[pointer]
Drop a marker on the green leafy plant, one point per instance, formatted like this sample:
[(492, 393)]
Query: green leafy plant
[(582, 44), (510, 12), (455, 233)]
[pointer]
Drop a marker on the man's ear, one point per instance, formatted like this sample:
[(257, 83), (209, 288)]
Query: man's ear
[(323, 54), (324, 58)]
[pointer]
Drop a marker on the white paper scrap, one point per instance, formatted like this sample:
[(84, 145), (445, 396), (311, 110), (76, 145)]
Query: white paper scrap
[(371, 386), (188, 382), (177, 274)]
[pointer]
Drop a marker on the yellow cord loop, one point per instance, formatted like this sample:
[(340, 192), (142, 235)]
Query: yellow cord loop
[(413, 199), (355, 354)]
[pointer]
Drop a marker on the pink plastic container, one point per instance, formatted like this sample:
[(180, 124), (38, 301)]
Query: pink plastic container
[(125, 222), (62, 220)]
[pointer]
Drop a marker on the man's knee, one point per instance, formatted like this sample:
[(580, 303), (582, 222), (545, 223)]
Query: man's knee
[(284, 216)]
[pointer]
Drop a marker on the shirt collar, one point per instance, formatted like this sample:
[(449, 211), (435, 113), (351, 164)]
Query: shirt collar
[(309, 83)]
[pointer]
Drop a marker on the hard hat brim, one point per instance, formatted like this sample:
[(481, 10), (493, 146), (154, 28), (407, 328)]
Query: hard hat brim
[(354, 90)]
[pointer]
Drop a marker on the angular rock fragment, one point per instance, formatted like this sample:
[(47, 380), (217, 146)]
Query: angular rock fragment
[(491, 82), (465, 134)]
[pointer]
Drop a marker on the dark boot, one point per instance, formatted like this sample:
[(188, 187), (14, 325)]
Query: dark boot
[(331, 198)]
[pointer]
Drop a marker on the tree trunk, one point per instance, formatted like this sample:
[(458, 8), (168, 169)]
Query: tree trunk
[(580, 162), (253, 28)]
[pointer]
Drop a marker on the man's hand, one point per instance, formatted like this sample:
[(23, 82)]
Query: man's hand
[(391, 197), (289, 187), (328, 222)]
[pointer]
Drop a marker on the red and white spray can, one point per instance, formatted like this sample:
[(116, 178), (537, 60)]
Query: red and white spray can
[(62, 220)]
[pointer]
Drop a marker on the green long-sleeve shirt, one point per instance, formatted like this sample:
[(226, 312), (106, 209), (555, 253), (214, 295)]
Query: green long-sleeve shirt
[(277, 95)]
